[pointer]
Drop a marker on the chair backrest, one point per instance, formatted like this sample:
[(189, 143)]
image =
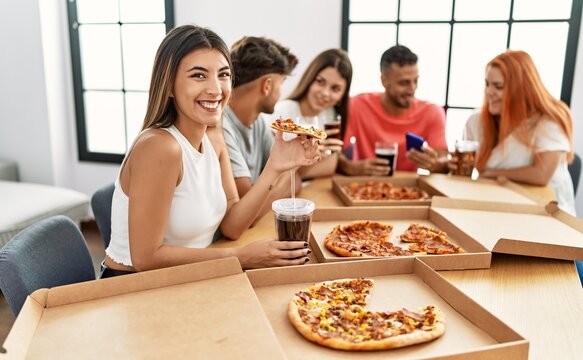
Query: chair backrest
[(101, 206), (49, 253), (575, 171)]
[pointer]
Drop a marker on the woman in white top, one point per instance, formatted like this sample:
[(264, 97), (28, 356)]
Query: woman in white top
[(175, 186), (321, 95), (525, 134)]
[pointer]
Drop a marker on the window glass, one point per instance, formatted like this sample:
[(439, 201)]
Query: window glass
[(455, 123), (415, 10), (136, 105), (365, 55), (431, 44), (104, 119), (103, 11), (100, 57), (142, 10), (373, 10), (140, 43), (549, 59), (482, 10), (473, 46), (541, 9)]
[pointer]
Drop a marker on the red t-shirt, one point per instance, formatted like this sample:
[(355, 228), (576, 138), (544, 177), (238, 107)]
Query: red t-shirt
[(368, 122)]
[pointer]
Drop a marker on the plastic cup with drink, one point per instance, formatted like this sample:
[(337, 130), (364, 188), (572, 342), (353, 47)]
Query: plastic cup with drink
[(293, 218), (465, 152), (333, 123), (388, 151)]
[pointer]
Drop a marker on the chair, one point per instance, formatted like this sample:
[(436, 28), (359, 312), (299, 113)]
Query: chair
[(575, 171), (50, 253), (101, 206)]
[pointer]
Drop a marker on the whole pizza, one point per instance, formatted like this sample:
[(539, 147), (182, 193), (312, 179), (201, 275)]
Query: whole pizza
[(289, 126), (334, 314)]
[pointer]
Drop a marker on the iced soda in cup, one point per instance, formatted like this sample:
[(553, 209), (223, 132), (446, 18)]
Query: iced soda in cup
[(465, 151), (293, 218)]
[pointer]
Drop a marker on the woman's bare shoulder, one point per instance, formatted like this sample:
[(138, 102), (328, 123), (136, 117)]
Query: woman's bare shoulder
[(156, 145)]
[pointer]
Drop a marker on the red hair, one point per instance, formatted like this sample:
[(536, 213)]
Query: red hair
[(525, 96)]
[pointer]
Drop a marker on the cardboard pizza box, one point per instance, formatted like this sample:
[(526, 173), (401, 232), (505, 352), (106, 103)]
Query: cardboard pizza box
[(471, 331), (205, 310), (400, 179), (490, 190), (532, 230), (476, 255)]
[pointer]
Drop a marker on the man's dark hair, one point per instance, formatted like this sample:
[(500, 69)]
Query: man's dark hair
[(398, 54), (254, 57)]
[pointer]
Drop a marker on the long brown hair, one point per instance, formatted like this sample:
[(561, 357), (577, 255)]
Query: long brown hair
[(525, 97), (334, 58), (178, 43)]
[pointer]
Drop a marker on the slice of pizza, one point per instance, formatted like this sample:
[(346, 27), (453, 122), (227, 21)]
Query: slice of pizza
[(334, 314), (360, 238), (436, 245), (417, 232), (289, 126)]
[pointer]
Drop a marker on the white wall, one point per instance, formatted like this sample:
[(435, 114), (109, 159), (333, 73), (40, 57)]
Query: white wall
[(37, 121)]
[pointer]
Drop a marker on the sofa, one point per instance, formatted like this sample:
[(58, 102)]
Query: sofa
[(23, 204)]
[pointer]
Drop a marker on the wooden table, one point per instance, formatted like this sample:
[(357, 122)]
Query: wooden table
[(542, 299)]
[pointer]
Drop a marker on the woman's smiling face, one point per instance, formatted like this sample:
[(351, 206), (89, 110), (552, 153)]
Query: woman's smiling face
[(202, 87)]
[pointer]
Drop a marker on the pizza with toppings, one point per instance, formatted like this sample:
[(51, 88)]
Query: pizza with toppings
[(381, 190), (288, 125), (429, 240), (370, 238), (334, 314), (363, 238)]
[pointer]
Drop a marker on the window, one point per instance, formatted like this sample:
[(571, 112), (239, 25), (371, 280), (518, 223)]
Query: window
[(113, 44), (454, 40)]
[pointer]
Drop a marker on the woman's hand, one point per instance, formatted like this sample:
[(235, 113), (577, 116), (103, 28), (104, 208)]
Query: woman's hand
[(287, 155), (268, 253), (330, 146)]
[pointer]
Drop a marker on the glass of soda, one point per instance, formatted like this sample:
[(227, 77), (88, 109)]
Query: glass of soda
[(465, 152), (333, 123), (388, 151), (293, 218)]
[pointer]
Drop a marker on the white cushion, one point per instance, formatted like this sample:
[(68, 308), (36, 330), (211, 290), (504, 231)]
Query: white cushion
[(23, 204)]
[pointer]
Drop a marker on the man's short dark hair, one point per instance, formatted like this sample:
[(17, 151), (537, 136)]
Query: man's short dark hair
[(254, 57), (398, 54)]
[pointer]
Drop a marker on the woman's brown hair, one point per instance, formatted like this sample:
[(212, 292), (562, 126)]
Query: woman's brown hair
[(179, 42), (525, 97)]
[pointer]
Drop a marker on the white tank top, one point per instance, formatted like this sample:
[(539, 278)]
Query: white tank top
[(198, 205)]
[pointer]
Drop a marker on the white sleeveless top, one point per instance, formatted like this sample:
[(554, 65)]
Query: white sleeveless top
[(198, 205)]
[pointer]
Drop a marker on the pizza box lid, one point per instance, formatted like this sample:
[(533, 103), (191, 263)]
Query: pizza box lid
[(476, 256), (202, 310), (462, 187), (519, 229), (400, 179), (471, 331)]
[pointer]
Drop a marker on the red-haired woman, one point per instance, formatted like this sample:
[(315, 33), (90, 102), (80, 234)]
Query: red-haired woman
[(525, 133)]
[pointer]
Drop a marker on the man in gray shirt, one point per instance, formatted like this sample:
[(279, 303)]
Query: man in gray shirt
[(260, 66)]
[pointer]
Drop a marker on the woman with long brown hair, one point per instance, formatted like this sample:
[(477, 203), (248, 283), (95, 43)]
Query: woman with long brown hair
[(525, 134), (321, 96), (175, 187)]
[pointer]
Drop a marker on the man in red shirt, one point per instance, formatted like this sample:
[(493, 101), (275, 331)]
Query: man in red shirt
[(388, 116)]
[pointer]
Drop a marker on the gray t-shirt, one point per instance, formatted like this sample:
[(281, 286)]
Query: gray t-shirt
[(249, 147)]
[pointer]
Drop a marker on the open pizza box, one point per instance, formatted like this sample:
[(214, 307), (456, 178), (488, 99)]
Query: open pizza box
[(475, 255), (400, 179), (462, 187), (471, 332), (531, 230), (205, 310)]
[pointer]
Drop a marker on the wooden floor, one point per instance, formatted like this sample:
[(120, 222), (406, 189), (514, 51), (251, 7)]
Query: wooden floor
[(95, 245)]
